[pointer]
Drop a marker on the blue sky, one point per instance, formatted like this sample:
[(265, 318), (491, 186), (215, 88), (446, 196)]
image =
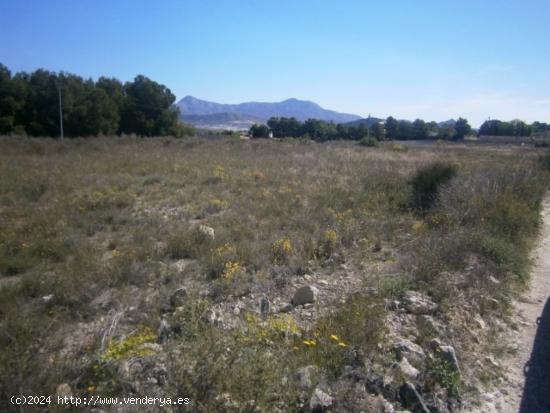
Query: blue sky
[(427, 59)]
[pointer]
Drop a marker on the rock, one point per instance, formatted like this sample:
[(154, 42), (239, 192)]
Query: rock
[(47, 298), (427, 323), (308, 377), (417, 303), (181, 265), (492, 362), (63, 390), (161, 248), (447, 353), (177, 299), (207, 231), (480, 323), (264, 307), (164, 331), (304, 295), (411, 399), (103, 300), (286, 308), (406, 370), (434, 344), (320, 401), (413, 352), (392, 304)]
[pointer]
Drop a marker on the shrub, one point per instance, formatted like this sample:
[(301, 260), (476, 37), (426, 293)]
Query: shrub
[(369, 142), (545, 161), (426, 184)]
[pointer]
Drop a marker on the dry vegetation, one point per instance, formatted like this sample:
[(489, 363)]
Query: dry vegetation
[(96, 236)]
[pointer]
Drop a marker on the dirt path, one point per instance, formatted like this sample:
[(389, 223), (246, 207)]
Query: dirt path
[(527, 386)]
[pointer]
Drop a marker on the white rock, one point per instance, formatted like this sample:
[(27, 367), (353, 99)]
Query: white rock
[(417, 303), (407, 370), (208, 231), (320, 401)]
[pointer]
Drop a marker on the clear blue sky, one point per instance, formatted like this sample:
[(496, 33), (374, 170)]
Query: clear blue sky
[(428, 59)]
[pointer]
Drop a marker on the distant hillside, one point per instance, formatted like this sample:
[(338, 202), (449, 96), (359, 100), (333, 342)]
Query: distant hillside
[(366, 121), (230, 121), (211, 114)]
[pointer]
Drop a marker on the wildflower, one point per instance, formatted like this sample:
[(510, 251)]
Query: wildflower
[(331, 236), (418, 226), (341, 344), (334, 337), (91, 389), (230, 269)]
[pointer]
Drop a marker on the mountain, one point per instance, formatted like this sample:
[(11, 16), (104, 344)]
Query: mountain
[(447, 123), (210, 114), (365, 121)]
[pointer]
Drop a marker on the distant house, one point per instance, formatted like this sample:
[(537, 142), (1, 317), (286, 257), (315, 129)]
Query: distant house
[(270, 134)]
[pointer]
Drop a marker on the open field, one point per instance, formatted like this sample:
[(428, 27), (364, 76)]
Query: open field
[(165, 267)]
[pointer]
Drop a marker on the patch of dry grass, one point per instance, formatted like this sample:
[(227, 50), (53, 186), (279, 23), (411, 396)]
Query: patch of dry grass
[(80, 218)]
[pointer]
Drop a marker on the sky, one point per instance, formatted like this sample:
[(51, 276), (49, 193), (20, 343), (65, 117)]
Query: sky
[(426, 59)]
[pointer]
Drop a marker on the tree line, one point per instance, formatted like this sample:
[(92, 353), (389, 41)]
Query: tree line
[(29, 105), (391, 129), (513, 128)]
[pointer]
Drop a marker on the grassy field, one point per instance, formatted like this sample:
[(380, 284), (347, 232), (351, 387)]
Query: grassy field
[(98, 235)]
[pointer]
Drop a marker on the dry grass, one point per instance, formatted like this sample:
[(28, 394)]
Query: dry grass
[(82, 218)]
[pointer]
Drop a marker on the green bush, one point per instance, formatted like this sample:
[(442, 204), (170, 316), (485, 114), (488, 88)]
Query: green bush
[(426, 184), (369, 142)]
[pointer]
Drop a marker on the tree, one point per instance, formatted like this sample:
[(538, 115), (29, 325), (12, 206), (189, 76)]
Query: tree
[(8, 104), (420, 129), (259, 131), (148, 109), (392, 128), (379, 131), (462, 128)]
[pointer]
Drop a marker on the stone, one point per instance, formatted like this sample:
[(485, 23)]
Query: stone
[(413, 352), (434, 343), (47, 298), (417, 303), (304, 295), (406, 370), (177, 299), (63, 390), (308, 377), (286, 308), (320, 401), (411, 399), (207, 231), (427, 323), (492, 362), (181, 265), (480, 323), (448, 354)]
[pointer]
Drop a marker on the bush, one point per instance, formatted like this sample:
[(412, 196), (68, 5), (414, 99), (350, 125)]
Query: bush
[(545, 161), (426, 184), (369, 142)]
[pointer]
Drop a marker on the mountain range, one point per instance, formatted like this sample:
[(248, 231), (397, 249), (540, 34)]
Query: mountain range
[(211, 115)]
